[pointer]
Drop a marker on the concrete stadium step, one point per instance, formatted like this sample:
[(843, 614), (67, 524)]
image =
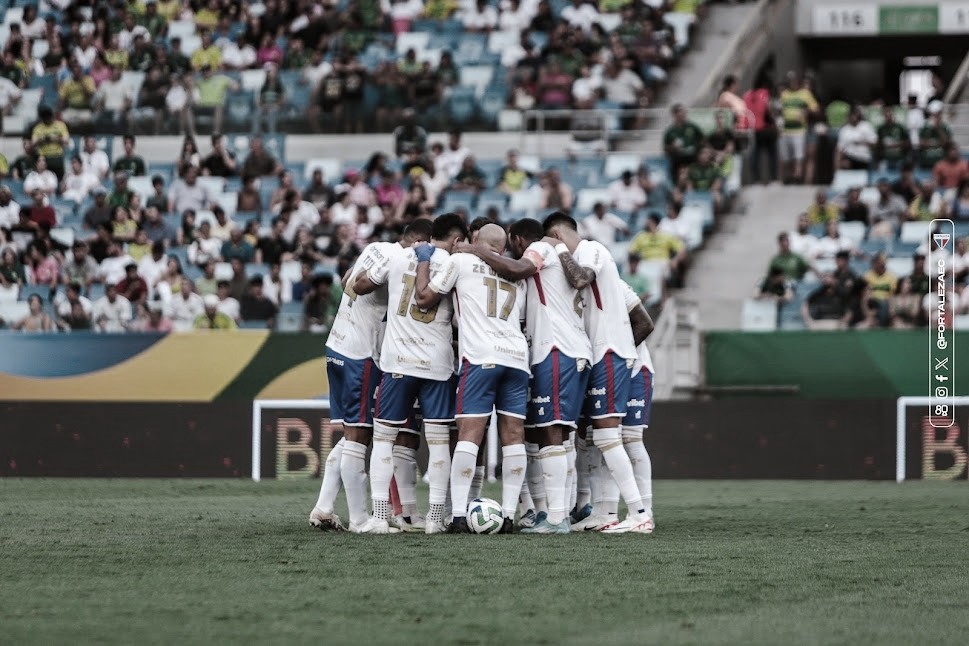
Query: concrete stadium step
[(735, 257)]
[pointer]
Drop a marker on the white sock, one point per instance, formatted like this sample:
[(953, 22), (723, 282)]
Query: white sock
[(554, 468), (609, 441), (331, 479), (525, 502), (353, 468), (536, 481), (608, 504), (476, 483), (570, 493), (632, 441), (405, 473), (462, 472), (594, 456), (382, 468), (438, 468), (583, 491), (513, 465)]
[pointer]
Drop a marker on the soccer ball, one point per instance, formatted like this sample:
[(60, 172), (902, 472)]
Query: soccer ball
[(484, 516)]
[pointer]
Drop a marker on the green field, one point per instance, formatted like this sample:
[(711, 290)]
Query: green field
[(167, 561)]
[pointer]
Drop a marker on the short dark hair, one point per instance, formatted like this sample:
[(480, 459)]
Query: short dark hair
[(255, 280), (130, 138), (559, 218), (446, 224), (223, 283), (421, 228), (527, 228), (654, 217), (478, 223)]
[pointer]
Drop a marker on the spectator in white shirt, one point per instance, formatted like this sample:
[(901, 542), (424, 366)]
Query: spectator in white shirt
[(187, 193), (85, 52), (78, 184), (205, 247), (481, 17), (238, 54), (585, 89), (832, 243), (450, 160), (514, 17), (64, 302), (10, 96), (801, 239), (185, 307), (9, 209), (603, 226), (94, 160), (674, 225), (580, 15), (112, 268), (856, 140), (113, 100), (40, 179), (317, 70), (626, 195), (227, 305), (223, 227), (276, 287), (402, 11), (111, 312)]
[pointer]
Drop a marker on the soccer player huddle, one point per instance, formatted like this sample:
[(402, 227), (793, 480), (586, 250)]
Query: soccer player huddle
[(550, 339)]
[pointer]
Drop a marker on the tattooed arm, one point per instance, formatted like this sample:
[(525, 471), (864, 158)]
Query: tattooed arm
[(579, 277), (642, 323)]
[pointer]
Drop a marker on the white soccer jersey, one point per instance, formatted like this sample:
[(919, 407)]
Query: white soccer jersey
[(358, 327), (606, 314), (488, 309), (417, 342), (553, 309)]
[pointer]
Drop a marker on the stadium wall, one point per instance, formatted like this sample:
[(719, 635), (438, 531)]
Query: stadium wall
[(843, 365), (786, 438)]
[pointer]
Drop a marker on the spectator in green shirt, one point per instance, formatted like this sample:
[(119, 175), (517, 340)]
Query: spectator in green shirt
[(681, 141), (894, 143), (212, 90), (933, 137), (705, 175), (793, 265), (130, 163), (638, 283)]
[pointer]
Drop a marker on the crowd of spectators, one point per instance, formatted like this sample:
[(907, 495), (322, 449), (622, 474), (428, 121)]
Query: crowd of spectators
[(161, 65)]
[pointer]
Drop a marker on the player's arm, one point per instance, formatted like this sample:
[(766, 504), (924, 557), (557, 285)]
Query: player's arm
[(578, 276), (508, 268), (427, 292), (639, 318)]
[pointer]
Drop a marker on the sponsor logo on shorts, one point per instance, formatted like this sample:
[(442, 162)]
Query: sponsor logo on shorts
[(636, 402), (597, 391), (542, 400), (335, 361)]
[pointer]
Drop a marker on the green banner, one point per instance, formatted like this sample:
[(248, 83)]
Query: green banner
[(908, 20), (873, 363)]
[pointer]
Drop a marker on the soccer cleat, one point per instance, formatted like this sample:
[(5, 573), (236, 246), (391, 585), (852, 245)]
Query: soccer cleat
[(594, 523), (507, 527), (458, 525), (639, 524), (545, 527), (527, 519), (579, 515), (435, 527), (409, 524), (326, 522), (373, 525)]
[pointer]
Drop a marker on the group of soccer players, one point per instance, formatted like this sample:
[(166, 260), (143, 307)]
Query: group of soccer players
[(550, 339)]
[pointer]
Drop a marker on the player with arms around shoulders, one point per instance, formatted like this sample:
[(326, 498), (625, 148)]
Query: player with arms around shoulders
[(559, 355), (417, 362), (352, 352), (494, 367), (589, 266)]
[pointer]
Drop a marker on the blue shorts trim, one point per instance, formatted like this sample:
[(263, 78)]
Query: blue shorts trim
[(352, 386), (640, 402), (557, 390), (608, 388), (483, 388), (395, 399)]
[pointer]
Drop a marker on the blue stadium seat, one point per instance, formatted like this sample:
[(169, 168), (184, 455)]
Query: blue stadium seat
[(31, 290), (492, 103), (240, 106), (461, 105), (454, 200)]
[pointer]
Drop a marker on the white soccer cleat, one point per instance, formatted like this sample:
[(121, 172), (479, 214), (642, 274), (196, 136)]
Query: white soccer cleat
[(373, 525), (416, 523), (594, 523), (326, 522), (632, 525), (435, 527)]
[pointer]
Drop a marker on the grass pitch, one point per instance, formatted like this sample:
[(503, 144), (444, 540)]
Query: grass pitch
[(169, 561)]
